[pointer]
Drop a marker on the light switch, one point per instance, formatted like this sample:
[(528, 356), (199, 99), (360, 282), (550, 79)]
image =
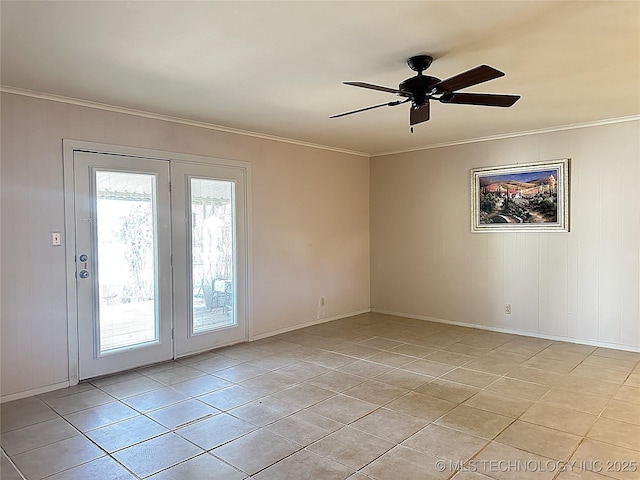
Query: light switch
[(56, 239)]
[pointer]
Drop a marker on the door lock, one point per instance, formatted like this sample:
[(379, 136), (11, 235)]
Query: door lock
[(83, 258)]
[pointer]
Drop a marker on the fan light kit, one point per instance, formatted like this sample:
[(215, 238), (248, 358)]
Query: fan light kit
[(420, 88)]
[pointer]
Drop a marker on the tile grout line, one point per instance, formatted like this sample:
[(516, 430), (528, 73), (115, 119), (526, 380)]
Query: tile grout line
[(10, 460)]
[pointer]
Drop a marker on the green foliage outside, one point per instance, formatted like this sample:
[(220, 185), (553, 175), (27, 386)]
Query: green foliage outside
[(136, 232)]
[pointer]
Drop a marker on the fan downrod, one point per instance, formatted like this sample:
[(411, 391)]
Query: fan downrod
[(419, 63)]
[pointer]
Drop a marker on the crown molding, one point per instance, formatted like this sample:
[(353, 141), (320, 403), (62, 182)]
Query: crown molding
[(264, 136), (169, 118), (574, 126)]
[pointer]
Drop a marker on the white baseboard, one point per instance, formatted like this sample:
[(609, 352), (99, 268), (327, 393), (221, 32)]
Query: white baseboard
[(309, 324), (31, 393), (558, 338)]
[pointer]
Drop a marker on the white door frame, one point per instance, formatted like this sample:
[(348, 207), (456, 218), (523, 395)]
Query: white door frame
[(69, 146)]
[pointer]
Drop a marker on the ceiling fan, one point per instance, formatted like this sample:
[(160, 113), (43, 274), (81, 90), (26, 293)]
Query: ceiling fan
[(420, 88)]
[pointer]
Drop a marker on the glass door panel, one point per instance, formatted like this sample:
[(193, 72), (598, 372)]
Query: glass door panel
[(212, 212), (126, 248)]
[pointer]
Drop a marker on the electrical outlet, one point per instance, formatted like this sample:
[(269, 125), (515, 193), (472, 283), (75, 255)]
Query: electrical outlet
[(507, 309), (322, 301)]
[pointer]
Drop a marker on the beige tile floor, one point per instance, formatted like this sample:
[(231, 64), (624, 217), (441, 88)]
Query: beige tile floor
[(370, 396)]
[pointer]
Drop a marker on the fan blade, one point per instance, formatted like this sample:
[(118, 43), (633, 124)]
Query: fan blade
[(388, 104), (373, 87), (419, 114), (477, 75), (485, 99)]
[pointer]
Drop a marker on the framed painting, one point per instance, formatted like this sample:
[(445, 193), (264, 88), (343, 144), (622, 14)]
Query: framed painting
[(529, 197)]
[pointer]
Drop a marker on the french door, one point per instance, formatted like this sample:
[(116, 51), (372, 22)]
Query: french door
[(209, 214), (159, 259)]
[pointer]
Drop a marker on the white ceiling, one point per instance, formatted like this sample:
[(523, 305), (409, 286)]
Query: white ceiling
[(276, 68)]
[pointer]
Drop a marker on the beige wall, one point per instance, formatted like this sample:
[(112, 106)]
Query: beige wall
[(583, 285), (310, 226), (311, 213)]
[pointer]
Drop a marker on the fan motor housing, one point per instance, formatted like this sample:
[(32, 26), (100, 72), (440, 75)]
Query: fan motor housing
[(419, 87)]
